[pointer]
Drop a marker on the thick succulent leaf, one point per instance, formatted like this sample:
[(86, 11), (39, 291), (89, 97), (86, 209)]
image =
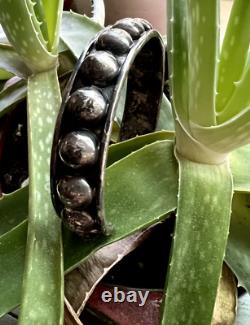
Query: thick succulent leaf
[(77, 31), (12, 95), (165, 120), (81, 282), (11, 62), (19, 21), (237, 253), (128, 210), (228, 136), (240, 98), (234, 52), (42, 298), (199, 243), (240, 166), (193, 148), (124, 148), (98, 11), (13, 209), (177, 36), (192, 25), (202, 24), (53, 13)]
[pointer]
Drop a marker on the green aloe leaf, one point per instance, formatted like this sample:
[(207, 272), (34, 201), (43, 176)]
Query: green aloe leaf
[(12, 95), (240, 98), (12, 253), (11, 62), (234, 52), (228, 136), (199, 242), (237, 253), (192, 63), (42, 298), (52, 10), (77, 31), (178, 56), (127, 209), (22, 28), (165, 120), (13, 209), (202, 30), (122, 149), (239, 162)]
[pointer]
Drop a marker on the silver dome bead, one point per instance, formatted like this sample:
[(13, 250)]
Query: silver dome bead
[(130, 26), (100, 68), (144, 22), (87, 105), (115, 40), (79, 149), (79, 222), (74, 192)]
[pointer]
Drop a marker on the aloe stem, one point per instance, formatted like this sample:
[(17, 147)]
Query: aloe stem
[(42, 301), (202, 224)]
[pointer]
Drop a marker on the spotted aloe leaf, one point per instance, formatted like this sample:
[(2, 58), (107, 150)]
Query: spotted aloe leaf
[(228, 136), (239, 161), (240, 98), (233, 57), (23, 30), (202, 225), (43, 274), (202, 148), (33, 33)]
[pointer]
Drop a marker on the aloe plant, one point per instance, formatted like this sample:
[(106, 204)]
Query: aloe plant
[(33, 30), (208, 128), (200, 170)]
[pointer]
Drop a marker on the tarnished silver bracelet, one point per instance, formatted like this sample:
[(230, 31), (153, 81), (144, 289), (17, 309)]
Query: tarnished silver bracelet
[(131, 51)]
